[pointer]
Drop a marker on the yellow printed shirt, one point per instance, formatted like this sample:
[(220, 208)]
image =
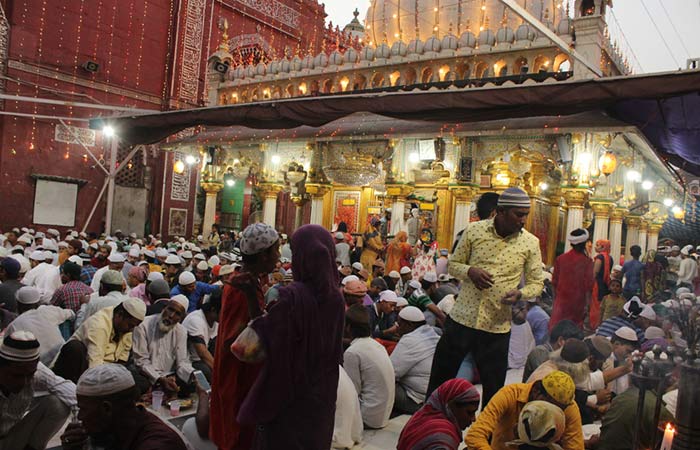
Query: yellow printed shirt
[(97, 333), (509, 260)]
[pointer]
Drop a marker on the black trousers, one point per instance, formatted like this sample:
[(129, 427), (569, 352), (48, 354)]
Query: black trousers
[(490, 352), (72, 361)]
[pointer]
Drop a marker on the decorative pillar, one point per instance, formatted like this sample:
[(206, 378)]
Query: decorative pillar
[(633, 223), (398, 194), (299, 201), (575, 199), (463, 196), (653, 237), (212, 189), (269, 192), (602, 212), (616, 217), (317, 193), (642, 237)]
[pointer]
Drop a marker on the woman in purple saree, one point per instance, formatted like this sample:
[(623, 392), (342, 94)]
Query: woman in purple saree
[(292, 403)]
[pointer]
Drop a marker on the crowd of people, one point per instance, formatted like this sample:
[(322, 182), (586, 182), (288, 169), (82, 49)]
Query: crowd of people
[(305, 342)]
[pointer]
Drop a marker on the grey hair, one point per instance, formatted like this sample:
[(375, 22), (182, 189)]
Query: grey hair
[(579, 372)]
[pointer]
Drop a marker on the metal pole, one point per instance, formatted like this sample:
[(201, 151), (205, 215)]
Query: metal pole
[(97, 202), (110, 186), (20, 98)]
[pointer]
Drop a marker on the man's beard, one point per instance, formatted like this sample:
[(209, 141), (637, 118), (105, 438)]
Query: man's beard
[(165, 328)]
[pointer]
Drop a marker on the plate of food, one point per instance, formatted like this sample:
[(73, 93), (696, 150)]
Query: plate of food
[(185, 403)]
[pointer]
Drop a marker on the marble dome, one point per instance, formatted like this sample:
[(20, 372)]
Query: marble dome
[(392, 20)]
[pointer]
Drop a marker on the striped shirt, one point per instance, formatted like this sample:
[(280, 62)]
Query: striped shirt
[(609, 327)]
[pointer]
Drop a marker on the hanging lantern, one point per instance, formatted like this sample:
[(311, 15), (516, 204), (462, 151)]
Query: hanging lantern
[(179, 167), (607, 163)]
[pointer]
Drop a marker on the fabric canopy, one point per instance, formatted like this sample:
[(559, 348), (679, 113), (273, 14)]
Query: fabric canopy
[(665, 107)]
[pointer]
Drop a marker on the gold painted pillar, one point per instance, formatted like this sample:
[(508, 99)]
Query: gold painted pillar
[(553, 235), (317, 193), (633, 223), (462, 196), (653, 237), (575, 199), (398, 194), (211, 189), (616, 217), (642, 237), (601, 210), (444, 222), (299, 201), (269, 192)]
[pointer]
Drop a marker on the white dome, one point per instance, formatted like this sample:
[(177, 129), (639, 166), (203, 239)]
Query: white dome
[(416, 47), (367, 53), (396, 19), (296, 64), (321, 60), (240, 72), (285, 66), (450, 42), (250, 71), (487, 37), (307, 62), (399, 49), (351, 56), (383, 52), (433, 45), (505, 35), (273, 68), (260, 69), (336, 59), (524, 33), (467, 40)]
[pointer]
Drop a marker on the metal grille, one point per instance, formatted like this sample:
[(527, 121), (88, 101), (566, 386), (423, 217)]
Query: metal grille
[(133, 174)]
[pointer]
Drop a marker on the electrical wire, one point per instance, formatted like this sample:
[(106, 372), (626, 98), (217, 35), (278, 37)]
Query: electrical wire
[(624, 36), (668, 47), (678, 35)]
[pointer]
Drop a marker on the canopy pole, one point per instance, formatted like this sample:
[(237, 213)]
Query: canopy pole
[(110, 186), (94, 207)]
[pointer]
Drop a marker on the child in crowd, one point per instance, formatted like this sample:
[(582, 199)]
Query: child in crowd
[(613, 302)]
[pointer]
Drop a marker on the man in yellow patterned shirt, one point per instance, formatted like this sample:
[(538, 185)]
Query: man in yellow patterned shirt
[(499, 262)]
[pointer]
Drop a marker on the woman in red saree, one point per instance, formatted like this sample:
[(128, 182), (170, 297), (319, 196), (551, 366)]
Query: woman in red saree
[(441, 421), (601, 272), (398, 253)]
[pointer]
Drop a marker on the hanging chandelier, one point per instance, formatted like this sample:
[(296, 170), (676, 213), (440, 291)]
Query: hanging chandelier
[(355, 170)]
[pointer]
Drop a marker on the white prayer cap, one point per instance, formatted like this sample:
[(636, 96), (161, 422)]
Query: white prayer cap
[(283, 236), (186, 254), (627, 334), (447, 303), (40, 235), (654, 333), (49, 256), (134, 252), (173, 259), (118, 231), (132, 235), (149, 253), (135, 307), (388, 296), (196, 249), (49, 245), (104, 380), (412, 314), (53, 232), (227, 269), (76, 259), (37, 255), (394, 274), (649, 313), (626, 306), (405, 270), (616, 268), (25, 239), (214, 261), (153, 276), (414, 284), (161, 253), (20, 346), (348, 279), (686, 250), (430, 277), (339, 236), (82, 234), (200, 238), (400, 302), (200, 257), (675, 248), (116, 258), (24, 229), (578, 236), (357, 266), (182, 301), (202, 265), (28, 295), (257, 237), (186, 278), (139, 241), (63, 244), (142, 263), (94, 246), (682, 290)]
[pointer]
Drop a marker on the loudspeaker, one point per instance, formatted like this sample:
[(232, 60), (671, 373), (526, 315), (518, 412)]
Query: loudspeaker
[(220, 67), (91, 66)]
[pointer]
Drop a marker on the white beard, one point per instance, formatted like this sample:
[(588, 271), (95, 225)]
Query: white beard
[(165, 329)]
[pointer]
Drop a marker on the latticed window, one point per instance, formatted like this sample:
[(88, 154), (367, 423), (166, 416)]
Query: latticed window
[(133, 174)]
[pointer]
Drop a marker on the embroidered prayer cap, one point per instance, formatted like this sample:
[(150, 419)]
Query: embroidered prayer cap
[(388, 296), (37, 255), (134, 251), (20, 346), (258, 237), (357, 266), (214, 261), (405, 270), (200, 257), (75, 259), (412, 314), (186, 278), (541, 425), (181, 300), (153, 276), (355, 287), (112, 277), (649, 313), (394, 274), (401, 302), (654, 333), (515, 198), (560, 387), (686, 250), (202, 265), (226, 269), (600, 347), (104, 380), (430, 277), (116, 258), (28, 295), (414, 284), (135, 307), (138, 273), (679, 291), (578, 236), (348, 279), (339, 236), (626, 333), (186, 254)]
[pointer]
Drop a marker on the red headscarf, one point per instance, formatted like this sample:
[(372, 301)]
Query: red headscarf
[(434, 425)]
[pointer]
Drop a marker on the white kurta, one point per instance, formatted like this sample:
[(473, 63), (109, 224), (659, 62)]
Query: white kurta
[(522, 342), (43, 322), (158, 354), (46, 278), (413, 359), (347, 430), (196, 325)]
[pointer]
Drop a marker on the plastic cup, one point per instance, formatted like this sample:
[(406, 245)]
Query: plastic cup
[(157, 399), (175, 408)]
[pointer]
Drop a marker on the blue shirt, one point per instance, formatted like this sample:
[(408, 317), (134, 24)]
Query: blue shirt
[(539, 323), (632, 270), (609, 327), (194, 298)]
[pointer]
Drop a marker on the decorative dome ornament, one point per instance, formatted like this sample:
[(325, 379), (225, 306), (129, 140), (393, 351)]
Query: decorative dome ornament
[(607, 163), (355, 170)]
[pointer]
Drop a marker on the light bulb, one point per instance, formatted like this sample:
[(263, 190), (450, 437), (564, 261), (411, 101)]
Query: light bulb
[(668, 202), (676, 209), (230, 182), (413, 157), (108, 131), (190, 159), (634, 176), (275, 159), (647, 185), (544, 186)]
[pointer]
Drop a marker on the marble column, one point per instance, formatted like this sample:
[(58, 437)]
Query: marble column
[(602, 212), (299, 201), (633, 223), (642, 237), (212, 190), (653, 237), (269, 193), (575, 199), (463, 196), (317, 193), (616, 217)]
